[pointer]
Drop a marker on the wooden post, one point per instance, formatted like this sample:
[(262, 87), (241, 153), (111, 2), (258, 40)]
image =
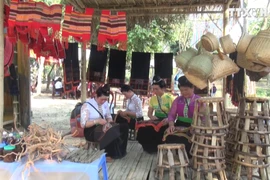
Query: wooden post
[(2, 45), (83, 75), (225, 30), (24, 84)]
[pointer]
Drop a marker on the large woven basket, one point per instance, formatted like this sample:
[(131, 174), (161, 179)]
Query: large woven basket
[(244, 63), (227, 44), (210, 42), (259, 49), (243, 43), (196, 81), (222, 68), (182, 59), (200, 66)]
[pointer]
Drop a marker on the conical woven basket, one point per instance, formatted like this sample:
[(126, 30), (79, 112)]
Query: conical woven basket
[(210, 42), (222, 68), (244, 63), (196, 81), (243, 43), (227, 44), (183, 58), (200, 66), (259, 49)]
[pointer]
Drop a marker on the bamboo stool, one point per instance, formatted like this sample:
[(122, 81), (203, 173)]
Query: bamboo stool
[(172, 156), (206, 118)]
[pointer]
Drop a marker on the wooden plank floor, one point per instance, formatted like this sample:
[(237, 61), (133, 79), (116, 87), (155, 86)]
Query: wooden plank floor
[(136, 165)]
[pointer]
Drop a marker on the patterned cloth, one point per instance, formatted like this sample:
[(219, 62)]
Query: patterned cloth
[(45, 16), (77, 25), (117, 68), (6, 15), (112, 30)]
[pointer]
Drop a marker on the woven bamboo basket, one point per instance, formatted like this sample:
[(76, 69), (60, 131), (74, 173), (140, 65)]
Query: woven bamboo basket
[(196, 81), (198, 45), (244, 63), (258, 50), (222, 68), (227, 44), (210, 42), (243, 43), (200, 66), (183, 58)]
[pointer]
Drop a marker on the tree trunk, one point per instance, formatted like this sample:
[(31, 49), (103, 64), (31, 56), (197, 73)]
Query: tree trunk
[(40, 71), (49, 78)]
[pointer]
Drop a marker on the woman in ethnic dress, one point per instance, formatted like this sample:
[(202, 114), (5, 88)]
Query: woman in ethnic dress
[(96, 112), (181, 113), (133, 112), (150, 133)]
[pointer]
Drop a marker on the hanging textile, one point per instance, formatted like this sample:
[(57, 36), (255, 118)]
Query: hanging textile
[(117, 68), (12, 20), (13, 82), (45, 16), (8, 56), (112, 30), (6, 15), (71, 65), (24, 13), (77, 25), (139, 79), (164, 67), (235, 83), (97, 65)]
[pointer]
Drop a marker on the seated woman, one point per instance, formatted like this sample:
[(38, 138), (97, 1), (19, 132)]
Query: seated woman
[(182, 111), (133, 112), (150, 133), (96, 112), (58, 86)]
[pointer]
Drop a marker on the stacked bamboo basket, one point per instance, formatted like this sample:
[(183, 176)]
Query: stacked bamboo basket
[(230, 139), (252, 139), (208, 148)]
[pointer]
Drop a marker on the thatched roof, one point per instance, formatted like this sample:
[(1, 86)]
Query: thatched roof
[(155, 7)]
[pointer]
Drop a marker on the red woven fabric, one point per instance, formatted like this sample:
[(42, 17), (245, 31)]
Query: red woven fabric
[(112, 30), (11, 21), (6, 15), (77, 25), (45, 16)]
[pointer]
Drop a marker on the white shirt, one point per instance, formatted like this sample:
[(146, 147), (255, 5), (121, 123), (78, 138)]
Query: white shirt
[(135, 105), (58, 85), (88, 113)]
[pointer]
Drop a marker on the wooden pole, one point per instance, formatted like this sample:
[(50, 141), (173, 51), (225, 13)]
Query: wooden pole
[(83, 74), (2, 45), (225, 30), (24, 84)]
